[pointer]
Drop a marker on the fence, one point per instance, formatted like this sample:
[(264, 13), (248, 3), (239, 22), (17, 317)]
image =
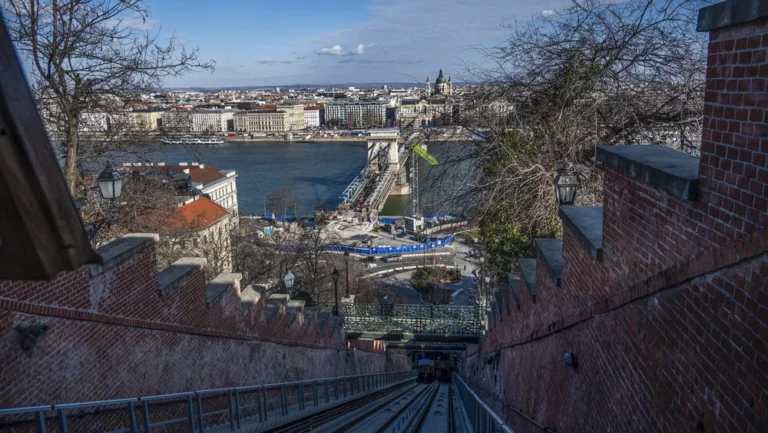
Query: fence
[(476, 413), (196, 411)]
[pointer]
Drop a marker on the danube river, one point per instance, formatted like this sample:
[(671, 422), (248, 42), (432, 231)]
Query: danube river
[(316, 173)]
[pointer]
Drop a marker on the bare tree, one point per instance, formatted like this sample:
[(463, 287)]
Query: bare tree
[(281, 201), (595, 73), (89, 62)]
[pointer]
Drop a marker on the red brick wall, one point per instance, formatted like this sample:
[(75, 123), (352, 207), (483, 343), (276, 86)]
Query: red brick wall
[(670, 326), (114, 336), (683, 351)]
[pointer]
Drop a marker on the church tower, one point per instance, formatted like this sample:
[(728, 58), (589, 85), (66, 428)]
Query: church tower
[(428, 88), (450, 86)]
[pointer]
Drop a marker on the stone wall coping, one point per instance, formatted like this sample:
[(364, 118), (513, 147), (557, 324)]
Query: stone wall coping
[(730, 13), (122, 249), (528, 269), (218, 286), (514, 288), (665, 168), (587, 224), (551, 253), (279, 298), (178, 272)]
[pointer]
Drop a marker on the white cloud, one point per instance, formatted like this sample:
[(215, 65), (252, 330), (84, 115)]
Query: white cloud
[(547, 13), (337, 50), (269, 61)]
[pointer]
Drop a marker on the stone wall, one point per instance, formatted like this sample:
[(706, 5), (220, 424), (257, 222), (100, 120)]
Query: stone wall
[(123, 329), (662, 293)]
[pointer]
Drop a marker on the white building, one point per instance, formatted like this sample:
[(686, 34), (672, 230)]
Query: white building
[(212, 120), (177, 121), (312, 116)]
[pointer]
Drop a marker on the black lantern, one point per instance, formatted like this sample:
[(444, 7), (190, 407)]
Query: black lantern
[(335, 274), (566, 184), (110, 183)]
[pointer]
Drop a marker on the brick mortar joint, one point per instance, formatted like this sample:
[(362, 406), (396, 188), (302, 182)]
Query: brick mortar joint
[(725, 256)]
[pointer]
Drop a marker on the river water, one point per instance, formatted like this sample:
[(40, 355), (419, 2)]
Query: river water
[(316, 173)]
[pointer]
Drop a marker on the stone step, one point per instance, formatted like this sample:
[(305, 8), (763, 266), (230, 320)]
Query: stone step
[(219, 286), (528, 269), (551, 253), (586, 223)]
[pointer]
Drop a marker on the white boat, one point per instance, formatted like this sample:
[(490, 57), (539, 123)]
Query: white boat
[(190, 140), (308, 139)]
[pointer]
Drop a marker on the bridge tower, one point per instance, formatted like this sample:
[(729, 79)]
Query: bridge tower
[(384, 154)]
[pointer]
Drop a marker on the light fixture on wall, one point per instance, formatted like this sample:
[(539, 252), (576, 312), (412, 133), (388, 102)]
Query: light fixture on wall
[(570, 359), (288, 280), (31, 333)]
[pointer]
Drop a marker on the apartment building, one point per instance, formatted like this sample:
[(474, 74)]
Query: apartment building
[(146, 120), (262, 121), (312, 116), (356, 114), (212, 120)]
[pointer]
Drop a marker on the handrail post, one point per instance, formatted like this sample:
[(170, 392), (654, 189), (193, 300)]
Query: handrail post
[(41, 421), (63, 420), (190, 414), (231, 408), (200, 413), (237, 407), (132, 417), (147, 425)]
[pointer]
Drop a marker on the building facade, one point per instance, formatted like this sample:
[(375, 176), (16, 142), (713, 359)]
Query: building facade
[(146, 120), (295, 119), (261, 121), (356, 114), (312, 116), (177, 121), (212, 120)]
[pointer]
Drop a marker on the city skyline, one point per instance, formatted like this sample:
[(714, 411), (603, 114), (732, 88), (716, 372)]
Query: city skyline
[(256, 44)]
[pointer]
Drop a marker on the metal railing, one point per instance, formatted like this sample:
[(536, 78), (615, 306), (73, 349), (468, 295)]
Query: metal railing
[(196, 411), (476, 413)]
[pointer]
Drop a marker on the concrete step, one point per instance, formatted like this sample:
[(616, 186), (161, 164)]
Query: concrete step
[(551, 253), (528, 269), (586, 223)]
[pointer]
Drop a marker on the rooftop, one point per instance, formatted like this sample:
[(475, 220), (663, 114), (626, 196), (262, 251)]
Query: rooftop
[(199, 213)]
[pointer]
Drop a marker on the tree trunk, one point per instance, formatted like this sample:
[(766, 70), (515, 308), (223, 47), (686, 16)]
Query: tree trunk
[(71, 172)]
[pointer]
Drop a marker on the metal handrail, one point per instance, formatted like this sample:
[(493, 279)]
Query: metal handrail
[(481, 417), (323, 391)]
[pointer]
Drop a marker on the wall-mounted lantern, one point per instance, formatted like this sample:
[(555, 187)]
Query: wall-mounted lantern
[(566, 186), (570, 359)]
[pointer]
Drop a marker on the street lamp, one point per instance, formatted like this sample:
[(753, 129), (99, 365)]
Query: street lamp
[(288, 280), (110, 188), (110, 183), (346, 264), (566, 184), (335, 276)]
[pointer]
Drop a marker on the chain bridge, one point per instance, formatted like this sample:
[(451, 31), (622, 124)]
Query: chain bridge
[(418, 324)]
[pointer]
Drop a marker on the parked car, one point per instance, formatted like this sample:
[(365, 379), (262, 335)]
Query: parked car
[(371, 265), (368, 259)]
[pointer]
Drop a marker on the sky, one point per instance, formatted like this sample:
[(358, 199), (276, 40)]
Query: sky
[(283, 42)]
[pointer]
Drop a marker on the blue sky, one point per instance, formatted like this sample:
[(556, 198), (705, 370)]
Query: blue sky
[(273, 42)]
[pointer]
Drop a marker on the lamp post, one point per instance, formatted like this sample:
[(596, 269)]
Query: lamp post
[(566, 185), (346, 272), (482, 285), (335, 276)]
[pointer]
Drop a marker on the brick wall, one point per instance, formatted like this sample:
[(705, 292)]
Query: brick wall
[(669, 322), (113, 333)]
